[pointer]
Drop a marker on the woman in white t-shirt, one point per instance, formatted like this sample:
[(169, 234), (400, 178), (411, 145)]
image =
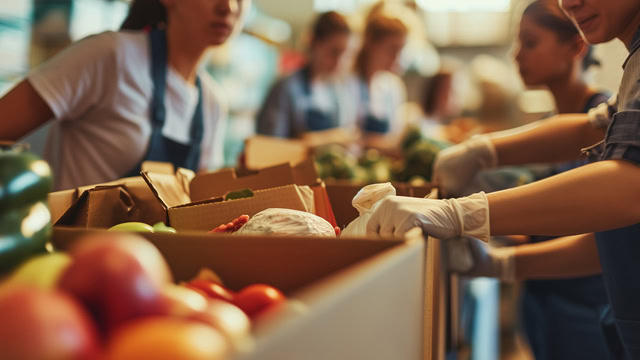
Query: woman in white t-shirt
[(119, 98), (379, 90)]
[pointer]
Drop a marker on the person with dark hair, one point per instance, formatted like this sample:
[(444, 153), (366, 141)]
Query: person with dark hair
[(312, 98), (120, 98), (380, 91)]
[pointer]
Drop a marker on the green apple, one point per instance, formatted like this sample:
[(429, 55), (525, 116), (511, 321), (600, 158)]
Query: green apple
[(132, 227), (41, 271), (161, 227)]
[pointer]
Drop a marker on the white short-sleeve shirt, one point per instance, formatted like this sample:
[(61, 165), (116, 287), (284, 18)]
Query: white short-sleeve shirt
[(100, 91)]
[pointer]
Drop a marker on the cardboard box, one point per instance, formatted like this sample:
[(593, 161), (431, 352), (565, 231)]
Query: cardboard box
[(440, 307), (363, 299), (148, 209), (189, 201), (341, 193), (194, 202), (264, 151)]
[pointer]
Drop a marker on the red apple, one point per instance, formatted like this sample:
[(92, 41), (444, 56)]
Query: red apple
[(211, 289), (118, 276), (40, 324)]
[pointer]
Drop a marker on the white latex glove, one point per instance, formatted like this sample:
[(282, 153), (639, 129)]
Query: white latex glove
[(442, 219), (455, 167), (487, 261)]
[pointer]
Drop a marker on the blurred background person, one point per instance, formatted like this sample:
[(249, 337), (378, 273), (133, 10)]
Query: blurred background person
[(311, 99), (379, 91)]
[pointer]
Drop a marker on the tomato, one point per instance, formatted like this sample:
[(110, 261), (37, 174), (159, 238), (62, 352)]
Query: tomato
[(256, 299), (211, 289)]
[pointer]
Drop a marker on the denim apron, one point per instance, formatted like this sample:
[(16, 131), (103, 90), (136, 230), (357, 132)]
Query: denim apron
[(561, 318), (315, 119), (371, 123), (161, 148), (619, 252)]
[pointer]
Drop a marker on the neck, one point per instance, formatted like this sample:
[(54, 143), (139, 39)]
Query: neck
[(570, 95), (184, 54), (627, 36), (314, 73), (369, 71)]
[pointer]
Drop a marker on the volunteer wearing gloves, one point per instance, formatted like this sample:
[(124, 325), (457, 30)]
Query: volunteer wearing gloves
[(119, 98), (380, 92), (313, 98), (560, 318), (601, 197)]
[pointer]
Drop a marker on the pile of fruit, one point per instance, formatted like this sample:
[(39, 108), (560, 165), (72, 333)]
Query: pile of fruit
[(112, 297), (414, 164)]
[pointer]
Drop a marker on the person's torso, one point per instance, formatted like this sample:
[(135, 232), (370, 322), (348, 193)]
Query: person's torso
[(111, 137), (588, 290)]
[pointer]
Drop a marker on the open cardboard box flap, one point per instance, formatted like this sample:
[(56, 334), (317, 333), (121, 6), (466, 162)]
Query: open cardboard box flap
[(101, 207)]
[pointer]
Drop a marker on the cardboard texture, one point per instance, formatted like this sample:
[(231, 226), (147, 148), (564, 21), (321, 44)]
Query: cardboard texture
[(149, 210), (206, 211), (362, 298), (101, 207), (264, 151)]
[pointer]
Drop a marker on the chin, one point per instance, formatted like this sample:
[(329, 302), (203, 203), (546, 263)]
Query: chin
[(596, 37)]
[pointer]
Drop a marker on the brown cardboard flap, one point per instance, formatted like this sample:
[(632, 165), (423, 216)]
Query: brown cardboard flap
[(101, 207), (305, 173), (215, 184), (167, 188), (264, 151), (332, 136), (206, 216), (60, 202), (158, 167)]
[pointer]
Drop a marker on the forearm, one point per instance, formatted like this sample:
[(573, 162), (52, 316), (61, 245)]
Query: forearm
[(559, 138), (595, 197), (23, 111), (570, 256)]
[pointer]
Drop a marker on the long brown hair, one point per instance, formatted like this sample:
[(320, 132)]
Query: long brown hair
[(378, 27), (547, 13), (145, 14)]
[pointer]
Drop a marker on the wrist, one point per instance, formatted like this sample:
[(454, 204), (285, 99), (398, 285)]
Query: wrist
[(488, 155), (472, 214), (504, 260)]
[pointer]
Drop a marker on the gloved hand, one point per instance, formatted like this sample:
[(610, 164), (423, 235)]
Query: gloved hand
[(487, 261), (455, 167), (442, 219)]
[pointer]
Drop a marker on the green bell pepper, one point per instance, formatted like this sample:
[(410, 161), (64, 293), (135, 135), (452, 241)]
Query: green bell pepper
[(25, 219)]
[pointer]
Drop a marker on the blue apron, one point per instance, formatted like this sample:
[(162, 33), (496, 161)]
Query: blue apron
[(619, 252), (562, 318), (315, 119), (161, 148), (371, 123)]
